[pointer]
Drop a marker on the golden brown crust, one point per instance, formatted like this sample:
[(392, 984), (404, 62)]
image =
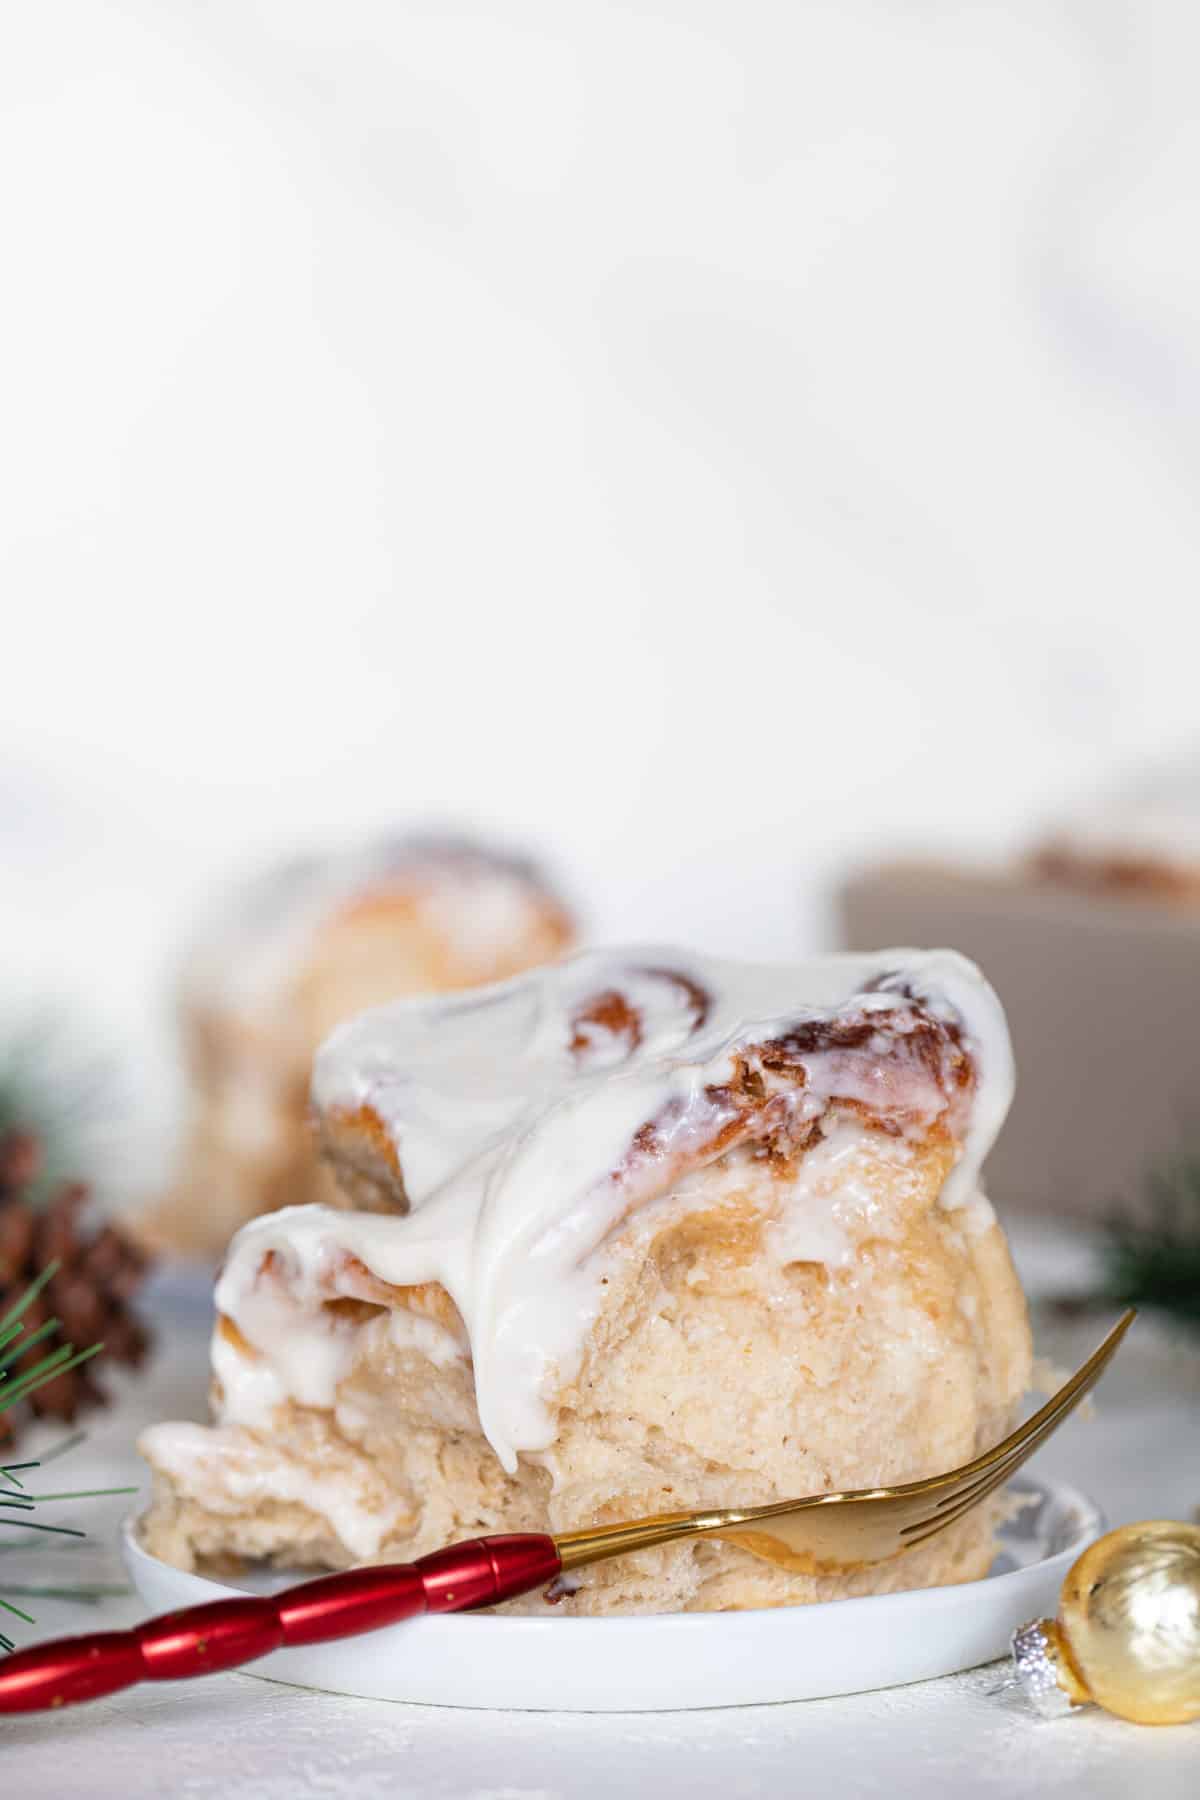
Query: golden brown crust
[(364, 1159)]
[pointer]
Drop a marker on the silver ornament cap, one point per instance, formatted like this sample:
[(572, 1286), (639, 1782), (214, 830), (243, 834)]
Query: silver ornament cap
[(1036, 1668)]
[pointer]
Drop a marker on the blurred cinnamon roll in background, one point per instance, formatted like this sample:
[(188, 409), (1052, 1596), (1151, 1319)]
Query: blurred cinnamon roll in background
[(283, 960), (1137, 840), (1091, 931)]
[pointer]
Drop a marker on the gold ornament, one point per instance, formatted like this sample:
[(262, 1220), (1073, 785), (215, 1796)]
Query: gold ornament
[(1127, 1635)]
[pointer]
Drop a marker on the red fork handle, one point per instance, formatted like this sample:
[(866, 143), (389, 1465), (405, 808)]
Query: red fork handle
[(223, 1634)]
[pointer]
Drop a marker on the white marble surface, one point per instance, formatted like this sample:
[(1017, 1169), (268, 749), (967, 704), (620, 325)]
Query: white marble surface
[(237, 1736)]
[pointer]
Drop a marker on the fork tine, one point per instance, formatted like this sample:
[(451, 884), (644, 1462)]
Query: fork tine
[(967, 1498), (946, 1515), (953, 1506), (940, 1521), (1015, 1450), (1010, 1462), (1083, 1378), (1002, 1462)]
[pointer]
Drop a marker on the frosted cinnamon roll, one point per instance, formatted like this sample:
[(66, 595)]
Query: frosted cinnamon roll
[(1138, 840), (662, 1232), (300, 948)]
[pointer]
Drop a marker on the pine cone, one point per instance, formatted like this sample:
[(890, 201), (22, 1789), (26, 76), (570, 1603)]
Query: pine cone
[(99, 1271)]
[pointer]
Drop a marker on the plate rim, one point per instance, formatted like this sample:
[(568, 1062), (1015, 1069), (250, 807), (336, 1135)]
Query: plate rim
[(663, 1662)]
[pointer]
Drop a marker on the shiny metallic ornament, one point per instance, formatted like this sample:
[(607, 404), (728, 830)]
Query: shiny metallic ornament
[(1127, 1635)]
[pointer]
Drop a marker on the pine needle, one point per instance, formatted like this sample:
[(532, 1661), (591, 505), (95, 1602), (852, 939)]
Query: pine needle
[(82, 1494), (56, 1362), (15, 1343), (27, 1343), (68, 1443), (25, 1302), (90, 1595)]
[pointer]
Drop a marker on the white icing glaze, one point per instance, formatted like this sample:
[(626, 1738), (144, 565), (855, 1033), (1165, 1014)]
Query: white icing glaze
[(519, 1117), (834, 1200), (478, 899), (245, 1473)]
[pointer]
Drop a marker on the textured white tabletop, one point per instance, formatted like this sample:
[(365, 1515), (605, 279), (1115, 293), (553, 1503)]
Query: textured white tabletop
[(235, 1735)]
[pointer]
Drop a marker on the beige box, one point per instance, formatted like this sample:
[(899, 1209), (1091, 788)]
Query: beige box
[(1103, 998)]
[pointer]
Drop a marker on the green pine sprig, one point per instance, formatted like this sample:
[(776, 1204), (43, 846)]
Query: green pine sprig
[(1152, 1257), (16, 1503)]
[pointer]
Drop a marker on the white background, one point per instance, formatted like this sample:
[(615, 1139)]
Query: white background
[(709, 441)]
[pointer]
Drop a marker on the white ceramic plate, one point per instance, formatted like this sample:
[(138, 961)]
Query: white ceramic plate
[(681, 1659)]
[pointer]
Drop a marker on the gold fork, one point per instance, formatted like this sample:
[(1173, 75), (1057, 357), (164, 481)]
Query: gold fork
[(829, 1532)]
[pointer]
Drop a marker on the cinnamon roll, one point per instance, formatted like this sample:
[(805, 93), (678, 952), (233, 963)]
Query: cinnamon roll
[(298, 949), (651, 1231), (1138, 840)]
